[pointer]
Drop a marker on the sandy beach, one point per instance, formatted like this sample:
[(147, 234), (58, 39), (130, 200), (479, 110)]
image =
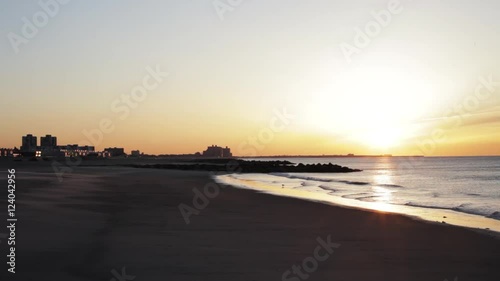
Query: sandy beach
[(100, 222)]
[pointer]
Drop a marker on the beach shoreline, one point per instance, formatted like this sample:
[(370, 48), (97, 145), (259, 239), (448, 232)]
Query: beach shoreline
[(475, 222), (100, 219)]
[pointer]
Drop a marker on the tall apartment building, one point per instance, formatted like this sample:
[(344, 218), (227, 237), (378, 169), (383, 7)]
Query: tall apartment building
[(48, 142), (29, 143)]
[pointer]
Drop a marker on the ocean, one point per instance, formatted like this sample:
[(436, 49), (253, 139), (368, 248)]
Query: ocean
[(457, 190)]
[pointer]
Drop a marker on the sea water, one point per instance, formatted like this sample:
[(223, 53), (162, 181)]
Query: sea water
[(458, 190)]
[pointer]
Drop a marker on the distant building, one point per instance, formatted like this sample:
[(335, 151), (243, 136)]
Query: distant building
[(217, 152), (135, 153), (28, 143), (115, 151), (48, 142), (6, 152), (50, 152), (226, 152), (48, 147), (103, 154), (74, 150)]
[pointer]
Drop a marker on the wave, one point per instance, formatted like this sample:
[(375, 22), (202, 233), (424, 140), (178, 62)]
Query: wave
[(472, 194), (431, 206), (368, 198), (353, 182), (390, 185), (301, 177), (356, 195), (320, 179), (425, 200), (467, 208), (494, 215), (326, 187)]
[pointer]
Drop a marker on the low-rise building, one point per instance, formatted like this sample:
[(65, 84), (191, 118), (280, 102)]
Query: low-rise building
[(6, 152), (74, 150), (115, 151), (217, 152)]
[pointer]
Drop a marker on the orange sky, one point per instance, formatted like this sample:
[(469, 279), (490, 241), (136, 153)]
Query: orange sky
[(424, 82)]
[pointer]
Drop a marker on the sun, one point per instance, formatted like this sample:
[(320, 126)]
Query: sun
[(383, 138), (374, 104)]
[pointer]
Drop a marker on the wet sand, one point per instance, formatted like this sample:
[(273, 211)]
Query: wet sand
[(101, 220)]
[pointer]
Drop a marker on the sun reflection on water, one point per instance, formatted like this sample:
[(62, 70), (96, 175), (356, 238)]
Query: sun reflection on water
[(383, 195)]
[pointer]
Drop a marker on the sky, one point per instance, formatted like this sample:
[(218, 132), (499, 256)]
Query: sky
[(262, 77)]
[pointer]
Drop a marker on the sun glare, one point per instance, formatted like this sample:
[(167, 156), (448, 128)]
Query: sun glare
[(374, 105), (383, 138)]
